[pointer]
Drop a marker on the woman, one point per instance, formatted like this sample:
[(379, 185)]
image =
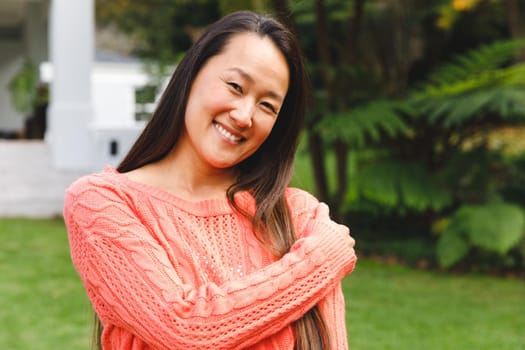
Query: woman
[(195, 241)]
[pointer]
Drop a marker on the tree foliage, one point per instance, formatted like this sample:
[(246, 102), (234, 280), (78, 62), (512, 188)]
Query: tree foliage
[(429, 127), (161, 29)]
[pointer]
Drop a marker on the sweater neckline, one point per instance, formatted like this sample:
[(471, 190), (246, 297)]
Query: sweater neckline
[(205, 207)]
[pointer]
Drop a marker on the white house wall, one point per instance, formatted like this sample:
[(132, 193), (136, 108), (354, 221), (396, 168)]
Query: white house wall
[(113, 93), (113, 126)]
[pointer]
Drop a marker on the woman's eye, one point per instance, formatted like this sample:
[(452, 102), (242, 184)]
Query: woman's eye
[(269, 107), (236, 87)]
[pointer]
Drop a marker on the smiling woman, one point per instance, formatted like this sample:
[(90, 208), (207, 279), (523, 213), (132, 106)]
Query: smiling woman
[(196, 241)]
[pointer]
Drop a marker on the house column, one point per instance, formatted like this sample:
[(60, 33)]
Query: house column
[(71, 108)]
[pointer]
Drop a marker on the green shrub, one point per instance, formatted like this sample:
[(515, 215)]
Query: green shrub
[(495, 227)]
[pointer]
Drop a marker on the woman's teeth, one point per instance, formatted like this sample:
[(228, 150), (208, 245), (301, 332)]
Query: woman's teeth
[(226, 133)]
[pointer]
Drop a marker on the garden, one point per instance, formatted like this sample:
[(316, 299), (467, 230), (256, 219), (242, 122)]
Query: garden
[(414, 137), (388, 306)]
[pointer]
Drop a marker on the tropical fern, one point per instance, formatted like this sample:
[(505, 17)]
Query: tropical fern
[(364, 123), (401, 186), (494, 227), (487, 58), (508, 103), (476, 85)]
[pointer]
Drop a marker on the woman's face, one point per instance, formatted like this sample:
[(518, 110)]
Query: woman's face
[(234, 102)]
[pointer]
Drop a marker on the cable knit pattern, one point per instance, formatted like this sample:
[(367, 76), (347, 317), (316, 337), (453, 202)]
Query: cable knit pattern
[(165, 273)]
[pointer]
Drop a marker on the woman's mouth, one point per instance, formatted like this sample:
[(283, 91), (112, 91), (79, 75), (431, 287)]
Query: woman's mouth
[(228, 135)]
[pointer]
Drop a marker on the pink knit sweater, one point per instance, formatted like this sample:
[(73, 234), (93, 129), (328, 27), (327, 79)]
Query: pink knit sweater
[(166, 273)]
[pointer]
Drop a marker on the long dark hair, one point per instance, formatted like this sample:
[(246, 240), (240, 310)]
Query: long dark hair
[(267, 172)]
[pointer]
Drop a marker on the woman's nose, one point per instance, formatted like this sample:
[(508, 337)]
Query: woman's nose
[(242, 114)]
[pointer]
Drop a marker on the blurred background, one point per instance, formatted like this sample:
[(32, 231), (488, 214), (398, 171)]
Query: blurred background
[(415, 137)]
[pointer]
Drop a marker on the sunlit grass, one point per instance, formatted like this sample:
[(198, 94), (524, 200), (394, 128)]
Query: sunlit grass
[(43, 305), (393, 307)]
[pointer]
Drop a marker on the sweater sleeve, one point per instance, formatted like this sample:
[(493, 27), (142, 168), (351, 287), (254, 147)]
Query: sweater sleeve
[(333, 309), (307, 212), (132, 283)]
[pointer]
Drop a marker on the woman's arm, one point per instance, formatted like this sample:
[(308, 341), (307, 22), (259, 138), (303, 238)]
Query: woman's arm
[(333, 309), (306, 209), (133, 285)]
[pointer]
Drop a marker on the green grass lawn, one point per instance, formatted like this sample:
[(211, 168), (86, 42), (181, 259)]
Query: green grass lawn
[(393, 307), (43, 305)]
